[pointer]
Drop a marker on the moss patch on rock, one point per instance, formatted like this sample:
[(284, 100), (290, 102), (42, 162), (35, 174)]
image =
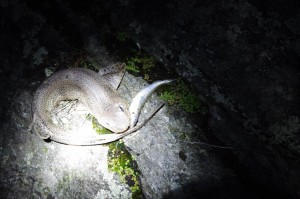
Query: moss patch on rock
[(181, 95), (96, 126), (121, 162), (140, 62), (65, 182)]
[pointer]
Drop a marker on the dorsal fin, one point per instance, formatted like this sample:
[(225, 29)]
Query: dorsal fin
[(113, 74)]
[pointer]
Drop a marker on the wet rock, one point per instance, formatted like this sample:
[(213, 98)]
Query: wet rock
[(31, 167), (241, 57)]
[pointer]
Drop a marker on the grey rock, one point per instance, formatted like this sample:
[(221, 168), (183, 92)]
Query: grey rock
[(230, 54), (31, 167), (242, 57)]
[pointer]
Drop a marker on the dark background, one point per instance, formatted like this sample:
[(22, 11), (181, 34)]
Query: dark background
[(242, 57)]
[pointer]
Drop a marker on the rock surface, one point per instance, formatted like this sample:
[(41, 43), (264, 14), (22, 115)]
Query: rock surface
[(243, 57), (240, 56)]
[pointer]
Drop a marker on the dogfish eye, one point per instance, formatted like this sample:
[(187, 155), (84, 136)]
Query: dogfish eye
[(121, 108)]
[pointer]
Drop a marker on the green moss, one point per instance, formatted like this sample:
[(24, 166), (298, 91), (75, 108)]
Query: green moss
[(121, 162), (63, 185), (45, 149), (180, 94), (131, 66), (46, 191), (140, 62), (96, 126)]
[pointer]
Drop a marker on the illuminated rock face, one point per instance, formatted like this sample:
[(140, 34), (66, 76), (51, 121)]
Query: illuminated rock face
[(250, 80), (48, 169), (242, 57)]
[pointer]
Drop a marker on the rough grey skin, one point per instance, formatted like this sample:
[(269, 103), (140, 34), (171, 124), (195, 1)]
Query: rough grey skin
[(96, 91), (110, 109)]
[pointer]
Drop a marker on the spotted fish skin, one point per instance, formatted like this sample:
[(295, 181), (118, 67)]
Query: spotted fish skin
[(110, 109), (97, 92)]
